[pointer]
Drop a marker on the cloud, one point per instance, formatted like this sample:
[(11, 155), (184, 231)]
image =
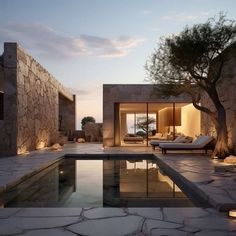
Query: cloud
[(184, 16), (51, 43), (79, 92)]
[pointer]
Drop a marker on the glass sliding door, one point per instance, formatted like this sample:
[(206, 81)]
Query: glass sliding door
[(138, 123), (133, 131), (162, 121)]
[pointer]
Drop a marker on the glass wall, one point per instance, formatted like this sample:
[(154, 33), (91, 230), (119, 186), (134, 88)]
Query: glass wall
[(138, 123)]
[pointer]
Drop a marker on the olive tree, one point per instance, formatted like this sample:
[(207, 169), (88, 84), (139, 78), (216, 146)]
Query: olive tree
[(86, 120), (191, 62), (145, 123)]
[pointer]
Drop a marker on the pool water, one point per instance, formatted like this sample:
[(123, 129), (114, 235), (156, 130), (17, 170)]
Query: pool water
[(101, 182)]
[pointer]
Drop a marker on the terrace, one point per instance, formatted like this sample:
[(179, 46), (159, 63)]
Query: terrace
[(199, 192), (197, 173)]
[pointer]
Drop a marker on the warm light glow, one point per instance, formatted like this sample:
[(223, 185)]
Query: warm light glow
[(232, 213), (56, 147), (61, 172), (40, 145), (21, 150), (190, 121)]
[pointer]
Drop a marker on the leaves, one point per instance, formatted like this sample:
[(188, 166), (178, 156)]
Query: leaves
[(193, 57), (87, 119)]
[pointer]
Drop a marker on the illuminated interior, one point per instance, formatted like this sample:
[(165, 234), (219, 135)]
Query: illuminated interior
[(138, 123)]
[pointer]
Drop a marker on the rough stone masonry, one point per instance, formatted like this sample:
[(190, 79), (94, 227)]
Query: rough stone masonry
[(32, 104)]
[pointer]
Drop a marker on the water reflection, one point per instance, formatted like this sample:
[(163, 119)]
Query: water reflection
[(97, 183), (137, 183)]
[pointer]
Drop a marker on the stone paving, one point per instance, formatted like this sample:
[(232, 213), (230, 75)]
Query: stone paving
[(197, 170), (115, 221), (218, 188)]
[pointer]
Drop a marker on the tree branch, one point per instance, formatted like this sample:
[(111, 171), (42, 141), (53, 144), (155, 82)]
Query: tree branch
[(217, 77), (195, 100)]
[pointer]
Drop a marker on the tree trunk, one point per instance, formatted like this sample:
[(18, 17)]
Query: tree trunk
[(218, 117), (221, 148)]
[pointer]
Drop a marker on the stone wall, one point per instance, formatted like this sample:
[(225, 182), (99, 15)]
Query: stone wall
[(8, 133), (227, 94), (31, 103), (117, 93), (1, 73), (93, 132), (1, 102)]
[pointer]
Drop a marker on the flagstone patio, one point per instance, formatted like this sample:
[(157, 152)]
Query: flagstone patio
[(197, 171)]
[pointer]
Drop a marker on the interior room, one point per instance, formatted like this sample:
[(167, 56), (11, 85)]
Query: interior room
[(138, 123)]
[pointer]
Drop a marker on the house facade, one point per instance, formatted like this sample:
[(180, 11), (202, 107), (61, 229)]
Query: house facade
[(125, 106), (131, 109), (34, 106)]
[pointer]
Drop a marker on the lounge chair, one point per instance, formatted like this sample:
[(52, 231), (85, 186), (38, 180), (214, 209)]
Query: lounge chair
[(203, 142), (179, 139)]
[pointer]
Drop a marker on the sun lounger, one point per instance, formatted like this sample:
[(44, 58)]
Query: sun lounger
[(203, 142), (179, 139)]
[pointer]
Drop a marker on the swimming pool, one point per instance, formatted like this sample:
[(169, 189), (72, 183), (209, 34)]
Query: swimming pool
[(100, 181)]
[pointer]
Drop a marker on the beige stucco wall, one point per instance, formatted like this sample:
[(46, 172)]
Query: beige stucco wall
[(190, 121), (165, 119), (31, 103), (117, 93)]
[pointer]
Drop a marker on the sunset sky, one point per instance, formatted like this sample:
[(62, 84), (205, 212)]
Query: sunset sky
[(86, 43)]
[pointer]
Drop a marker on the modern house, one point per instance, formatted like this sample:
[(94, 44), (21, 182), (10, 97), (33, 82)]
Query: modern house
[(34, 106), (125, 105)]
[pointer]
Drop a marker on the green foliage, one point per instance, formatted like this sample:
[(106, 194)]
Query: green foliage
[(191, 61), (87, 119)]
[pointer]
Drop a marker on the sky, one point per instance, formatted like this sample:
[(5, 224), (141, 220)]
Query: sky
[(87, 43)]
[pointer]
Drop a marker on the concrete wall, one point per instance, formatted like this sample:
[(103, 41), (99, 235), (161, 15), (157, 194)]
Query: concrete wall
[(117, 93), (31, 103), (227, 93)]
